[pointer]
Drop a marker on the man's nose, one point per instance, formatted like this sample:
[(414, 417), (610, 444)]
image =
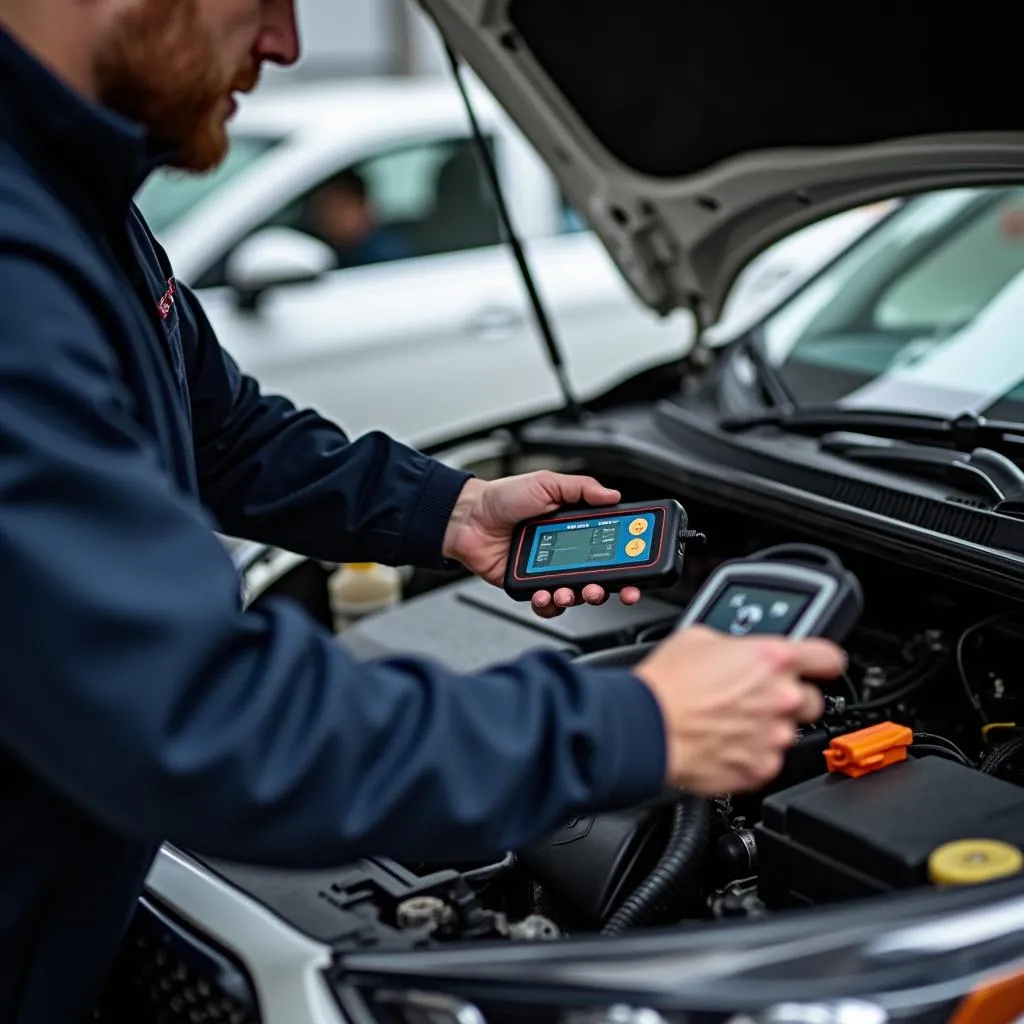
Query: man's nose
[(278, 42)]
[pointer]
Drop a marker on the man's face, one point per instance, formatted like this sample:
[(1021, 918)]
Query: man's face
[(173, 65), (342, 215)]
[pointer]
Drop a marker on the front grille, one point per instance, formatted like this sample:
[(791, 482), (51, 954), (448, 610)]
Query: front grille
[(166, 975)]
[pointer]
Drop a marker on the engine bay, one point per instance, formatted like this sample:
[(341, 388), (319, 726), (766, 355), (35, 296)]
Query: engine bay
[(929, 654)]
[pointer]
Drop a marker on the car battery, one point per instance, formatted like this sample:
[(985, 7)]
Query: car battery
[(844, 836)]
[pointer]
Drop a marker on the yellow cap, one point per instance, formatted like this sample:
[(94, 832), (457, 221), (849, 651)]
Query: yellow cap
[(360, 566), (973, 861)]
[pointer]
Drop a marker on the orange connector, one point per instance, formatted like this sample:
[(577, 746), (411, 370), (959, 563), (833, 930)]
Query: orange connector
[(867, 750)]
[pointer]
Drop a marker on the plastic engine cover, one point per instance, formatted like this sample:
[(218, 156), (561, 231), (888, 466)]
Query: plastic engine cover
[(470, 625), (835, 837)]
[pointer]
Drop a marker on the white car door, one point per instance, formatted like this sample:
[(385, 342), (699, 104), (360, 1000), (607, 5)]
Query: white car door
[(604, 332), (424, 347)]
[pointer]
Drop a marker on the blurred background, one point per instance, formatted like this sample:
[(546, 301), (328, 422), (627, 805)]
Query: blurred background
[(349, 252), (352, 38)]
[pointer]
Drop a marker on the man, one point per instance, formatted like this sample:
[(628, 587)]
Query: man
[(138, 702), (344, 217)]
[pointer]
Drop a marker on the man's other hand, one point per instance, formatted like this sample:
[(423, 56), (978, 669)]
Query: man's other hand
[(480, 529), (731, 705)]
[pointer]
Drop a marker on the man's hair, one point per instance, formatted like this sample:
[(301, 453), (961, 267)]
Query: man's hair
[(350, 181)]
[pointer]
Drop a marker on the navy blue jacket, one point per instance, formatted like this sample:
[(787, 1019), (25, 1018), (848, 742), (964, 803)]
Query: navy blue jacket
[(138, 702)]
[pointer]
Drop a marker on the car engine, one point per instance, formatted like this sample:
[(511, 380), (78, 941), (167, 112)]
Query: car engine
[(930, 657)]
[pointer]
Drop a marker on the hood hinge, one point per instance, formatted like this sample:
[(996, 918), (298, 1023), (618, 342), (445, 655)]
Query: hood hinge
[(660, 255)]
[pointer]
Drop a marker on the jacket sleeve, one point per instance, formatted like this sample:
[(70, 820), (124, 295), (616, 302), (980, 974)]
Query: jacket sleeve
[(272, 473), (136, 686)]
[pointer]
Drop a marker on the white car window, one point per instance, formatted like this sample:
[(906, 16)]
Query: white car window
[(402, 183), (424, 199)]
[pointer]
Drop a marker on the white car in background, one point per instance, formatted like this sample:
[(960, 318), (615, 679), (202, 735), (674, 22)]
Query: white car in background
[(439, 343)]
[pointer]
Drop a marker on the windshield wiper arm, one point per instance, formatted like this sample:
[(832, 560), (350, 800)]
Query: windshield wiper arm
[(963, 433), (772, 383), (998, 477)]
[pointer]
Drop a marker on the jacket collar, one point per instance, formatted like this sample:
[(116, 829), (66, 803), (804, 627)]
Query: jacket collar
[(103, 157)]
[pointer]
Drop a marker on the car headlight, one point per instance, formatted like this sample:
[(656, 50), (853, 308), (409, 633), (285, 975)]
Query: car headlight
[(955, 960), (999, 1001), (414, 1006)]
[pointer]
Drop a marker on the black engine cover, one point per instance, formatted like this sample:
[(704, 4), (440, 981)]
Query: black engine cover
[(592, 863), (836, 837)]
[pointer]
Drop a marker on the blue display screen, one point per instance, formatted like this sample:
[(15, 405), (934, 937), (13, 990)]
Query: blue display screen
[(598, 543)]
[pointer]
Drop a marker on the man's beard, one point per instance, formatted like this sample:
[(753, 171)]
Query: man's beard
[(158, 67)]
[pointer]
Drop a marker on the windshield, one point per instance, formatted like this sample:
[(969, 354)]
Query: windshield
[(924, 314), (169, 194)]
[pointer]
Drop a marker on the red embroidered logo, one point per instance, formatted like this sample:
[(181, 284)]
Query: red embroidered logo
[(167, 300)]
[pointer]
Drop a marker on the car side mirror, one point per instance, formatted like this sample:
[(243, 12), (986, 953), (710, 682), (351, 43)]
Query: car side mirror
[(276, 258)]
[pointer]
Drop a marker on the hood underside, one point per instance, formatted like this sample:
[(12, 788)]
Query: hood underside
[(694, 135)]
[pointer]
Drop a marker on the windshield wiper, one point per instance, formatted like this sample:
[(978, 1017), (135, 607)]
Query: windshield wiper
[(964, 432), (773, 385), (1000, 479), (969, 450)]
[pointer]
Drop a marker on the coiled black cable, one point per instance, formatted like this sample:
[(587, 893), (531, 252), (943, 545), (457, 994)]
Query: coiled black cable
[(673, 875), (995, 761)]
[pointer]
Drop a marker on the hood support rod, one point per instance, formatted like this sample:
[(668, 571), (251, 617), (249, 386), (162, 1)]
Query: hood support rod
[(572, 408)]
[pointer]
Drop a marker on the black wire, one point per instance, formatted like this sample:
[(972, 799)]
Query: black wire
[(854, 695), (972, 694), (935, 749), (931, 737), (489, 871), (904, 686)]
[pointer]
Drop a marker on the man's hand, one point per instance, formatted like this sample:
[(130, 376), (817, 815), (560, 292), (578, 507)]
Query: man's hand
[(731, 704), (480, 529)]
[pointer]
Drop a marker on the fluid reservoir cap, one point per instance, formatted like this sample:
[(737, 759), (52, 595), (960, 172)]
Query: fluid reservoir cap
[(973, 861)]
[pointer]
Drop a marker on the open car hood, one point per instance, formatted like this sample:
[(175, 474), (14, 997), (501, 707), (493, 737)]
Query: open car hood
[(693, 135)]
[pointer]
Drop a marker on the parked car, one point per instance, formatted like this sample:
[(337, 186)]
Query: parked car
[(875, 413), (435, 335)]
